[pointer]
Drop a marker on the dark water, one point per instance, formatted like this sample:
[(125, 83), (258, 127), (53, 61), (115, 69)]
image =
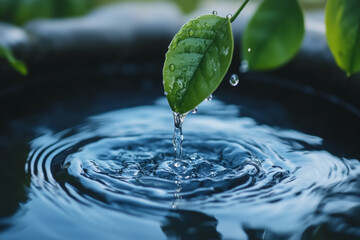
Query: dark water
[(114, 177)]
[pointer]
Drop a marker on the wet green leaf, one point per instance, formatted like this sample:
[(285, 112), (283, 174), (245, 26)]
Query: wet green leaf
[(273, 35), (16, 64), (342, 19), (197, 61)]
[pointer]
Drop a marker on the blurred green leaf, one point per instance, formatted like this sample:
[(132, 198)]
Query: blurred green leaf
[(25, 10), (342, 19), (197, 61), (187, 6), (16, 64), (273, 35)]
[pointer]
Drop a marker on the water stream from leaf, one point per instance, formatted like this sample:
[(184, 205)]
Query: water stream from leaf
[(178, 136)]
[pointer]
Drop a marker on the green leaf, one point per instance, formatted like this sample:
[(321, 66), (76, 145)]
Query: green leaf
[(187, 6), (16, 64), (197, 60), (273, 35), (342, 19)]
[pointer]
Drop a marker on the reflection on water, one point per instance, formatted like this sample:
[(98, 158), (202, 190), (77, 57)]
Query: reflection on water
[(239, 179), (190, 225)]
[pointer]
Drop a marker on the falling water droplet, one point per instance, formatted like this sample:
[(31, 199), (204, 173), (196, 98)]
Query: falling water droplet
[(249, 49), (215, 12), (234, 80), (229, 16), (191, 32), (209, 98), (244, 67), (172, 67)]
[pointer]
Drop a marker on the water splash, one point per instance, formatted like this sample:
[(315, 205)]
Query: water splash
[(121, 163)]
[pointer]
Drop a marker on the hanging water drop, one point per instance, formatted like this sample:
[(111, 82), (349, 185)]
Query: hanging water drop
[(194, 111), (234, 80), (229, 16), (209, 98), (172, 67), (215, 12)]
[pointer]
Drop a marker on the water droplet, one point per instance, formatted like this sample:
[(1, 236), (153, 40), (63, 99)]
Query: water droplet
[(173, 45), (172, 67), (249, 49), (229, 16), (177, 164), (194, 111), (207, 25), (195, 156), (191, 32), (215, 12), (165, 93), (225, 51), (244, 67), (234, 80), (209, 98)]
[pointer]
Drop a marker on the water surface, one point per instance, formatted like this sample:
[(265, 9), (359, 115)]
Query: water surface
[(114, 175)]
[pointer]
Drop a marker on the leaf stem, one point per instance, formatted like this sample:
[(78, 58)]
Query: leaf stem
[(232, 19)]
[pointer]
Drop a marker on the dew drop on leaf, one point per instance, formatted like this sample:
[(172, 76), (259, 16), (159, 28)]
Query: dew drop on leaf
[(215, 12), (173, 45), (191, 32), (194, 111), (172, 67), (234, 80), (249, 49), (209, 98), (229, 16)]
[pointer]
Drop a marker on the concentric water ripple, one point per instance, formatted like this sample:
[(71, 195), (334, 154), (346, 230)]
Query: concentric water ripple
[(266, 177)]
